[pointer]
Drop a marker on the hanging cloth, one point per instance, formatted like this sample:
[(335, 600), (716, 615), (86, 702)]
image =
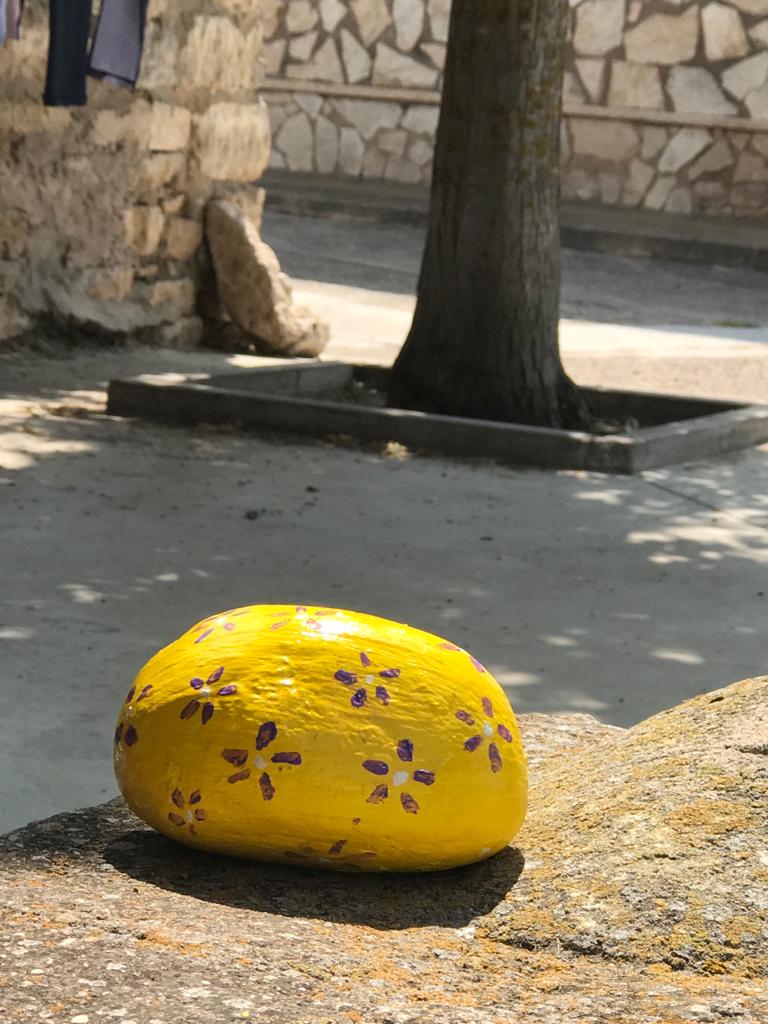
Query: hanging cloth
[(118, 41), (13, 9), (70, 23), (3, 21)]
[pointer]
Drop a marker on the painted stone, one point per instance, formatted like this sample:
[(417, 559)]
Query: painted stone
[(319, 736)]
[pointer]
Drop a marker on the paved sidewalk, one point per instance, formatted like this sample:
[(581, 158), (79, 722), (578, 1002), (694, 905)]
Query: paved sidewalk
[(617, 597)]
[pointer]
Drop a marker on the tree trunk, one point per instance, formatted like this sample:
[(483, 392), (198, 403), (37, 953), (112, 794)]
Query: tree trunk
[(484, 338)]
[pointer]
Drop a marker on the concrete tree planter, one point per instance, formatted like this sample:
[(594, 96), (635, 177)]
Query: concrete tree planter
[(323, 399)]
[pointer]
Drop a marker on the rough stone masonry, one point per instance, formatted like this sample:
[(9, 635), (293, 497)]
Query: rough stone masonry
[(102, 207), (637, 893)]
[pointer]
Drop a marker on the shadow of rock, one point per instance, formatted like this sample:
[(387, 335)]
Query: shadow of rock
[(450, 899)]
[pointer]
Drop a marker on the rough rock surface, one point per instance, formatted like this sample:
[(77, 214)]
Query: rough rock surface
[(252, 289), (105, 919), (650, 845)]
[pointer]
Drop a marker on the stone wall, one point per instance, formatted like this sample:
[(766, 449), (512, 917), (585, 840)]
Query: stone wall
[(666, 101), (102, 206)]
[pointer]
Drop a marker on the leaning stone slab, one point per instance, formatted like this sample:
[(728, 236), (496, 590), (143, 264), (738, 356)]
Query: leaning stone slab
[(253, 290), (103, 919)]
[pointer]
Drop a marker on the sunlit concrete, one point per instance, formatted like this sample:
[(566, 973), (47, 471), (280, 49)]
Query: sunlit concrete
[(582, 593)]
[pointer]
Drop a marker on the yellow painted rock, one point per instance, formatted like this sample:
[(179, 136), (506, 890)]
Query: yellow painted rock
[(319, 736)]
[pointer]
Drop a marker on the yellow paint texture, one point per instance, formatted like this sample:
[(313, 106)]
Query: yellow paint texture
[(320, 736)]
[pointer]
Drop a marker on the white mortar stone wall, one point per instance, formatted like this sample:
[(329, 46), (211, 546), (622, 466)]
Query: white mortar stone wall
[(102, 206), (680, 87)]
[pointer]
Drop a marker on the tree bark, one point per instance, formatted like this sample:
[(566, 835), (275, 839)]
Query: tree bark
[(484, 338)]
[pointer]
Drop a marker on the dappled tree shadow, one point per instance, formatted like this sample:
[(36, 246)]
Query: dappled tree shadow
[(449, 899)]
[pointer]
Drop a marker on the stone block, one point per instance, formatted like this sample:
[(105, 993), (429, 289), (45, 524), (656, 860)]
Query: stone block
[(436, 53), (112, 128), (232, 141), (421, 119), (750, 6), (332, 12), (400, 169), (368, 116), (684, 146), (679, 201), (393, 68), (310, 103), (295, 142), (408, 16), (746, 76), (439, 15), (615, 141), (659, 192), (325, 65), (221, 57), (183, 238), (357, 60), (757, 102), (178, 294), (326, 145), (271, 13), (351, 150), (609, 186), (654, 140), (374, 163), (599, 27), (253, 290), (273, 55), (33, 117), (639, 178), (301, 16), (170, 127), (420, 153), (750, 167), (160, 169), (393, 141), (724, 35), (716, 158), (372, 17), (173, 205), (160, 58), (301, 47), (695, 90), (109, 284), (635, 85), (664, 38), (144, 228), (759, 34), (592, 74)]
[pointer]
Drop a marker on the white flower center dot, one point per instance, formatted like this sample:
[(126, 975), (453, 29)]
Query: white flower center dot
[(399, 778), (487, 728), (260, 762)]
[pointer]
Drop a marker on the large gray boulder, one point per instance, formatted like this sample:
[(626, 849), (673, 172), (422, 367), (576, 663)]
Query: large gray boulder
[(637, 893)]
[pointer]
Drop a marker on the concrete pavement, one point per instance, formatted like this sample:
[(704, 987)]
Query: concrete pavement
[(581, 592)]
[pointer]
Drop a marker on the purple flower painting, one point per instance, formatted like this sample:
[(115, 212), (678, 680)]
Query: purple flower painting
[(484, 727), (188, 813), (367, 682), (239, 758), (205, 693), (392, 777)]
